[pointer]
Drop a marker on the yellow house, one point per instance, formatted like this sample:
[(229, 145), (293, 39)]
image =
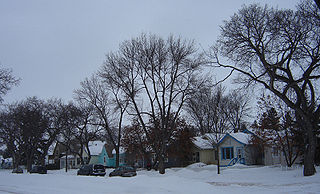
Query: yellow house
[(203, 150)]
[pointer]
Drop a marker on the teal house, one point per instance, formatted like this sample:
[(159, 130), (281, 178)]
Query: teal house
[(102, 153)]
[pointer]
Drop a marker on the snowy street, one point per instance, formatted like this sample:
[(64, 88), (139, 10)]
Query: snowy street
[(196, 178)]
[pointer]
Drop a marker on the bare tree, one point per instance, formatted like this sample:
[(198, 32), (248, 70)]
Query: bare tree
[(209, 109), (10, 136), (52, 110), (7, 80), (156, 76), (86, 130), (99, 95), (238, 109), (278, 49), (27, 122)]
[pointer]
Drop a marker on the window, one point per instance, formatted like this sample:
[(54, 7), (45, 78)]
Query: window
[(226, 153), (196, 157), (78, 160)]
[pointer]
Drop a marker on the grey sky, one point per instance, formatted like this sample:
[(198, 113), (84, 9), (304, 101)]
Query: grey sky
[(53, 45)]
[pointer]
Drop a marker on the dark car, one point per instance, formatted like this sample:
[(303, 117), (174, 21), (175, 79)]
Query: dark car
[(39, 169), (124, 171), (17, 170), (92, 169)]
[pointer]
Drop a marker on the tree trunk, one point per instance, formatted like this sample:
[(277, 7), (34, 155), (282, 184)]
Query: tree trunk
[(218, 164), (16, 160), (117, 156), (67, 160), (29, 164), (161, 164), (309, 154)]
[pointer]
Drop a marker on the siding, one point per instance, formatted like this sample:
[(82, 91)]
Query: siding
[(229, 142), (207, 156), (94, 160)]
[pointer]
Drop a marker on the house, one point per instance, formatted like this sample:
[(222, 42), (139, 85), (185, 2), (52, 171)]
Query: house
[(96, 150), (57, 157), (203, 150), (122, 158), (234, 148)]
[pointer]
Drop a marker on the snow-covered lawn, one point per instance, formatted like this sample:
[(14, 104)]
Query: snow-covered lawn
[(196, 178)]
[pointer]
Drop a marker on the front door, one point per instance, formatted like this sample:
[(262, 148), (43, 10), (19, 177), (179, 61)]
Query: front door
[(239, 153)]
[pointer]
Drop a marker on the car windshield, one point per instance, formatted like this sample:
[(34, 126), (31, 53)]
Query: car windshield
[(84, 167), (98, 167)]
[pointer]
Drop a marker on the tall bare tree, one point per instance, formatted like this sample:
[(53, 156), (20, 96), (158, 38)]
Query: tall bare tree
[(238, 108), (156, 77), (278, 49), (208, 109), (108, 105)]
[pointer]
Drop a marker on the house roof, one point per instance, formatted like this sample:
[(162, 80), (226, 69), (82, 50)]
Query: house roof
[(202, 142), (69, 157), (240, 137), (95, 147), (121, 150), (51, 148)]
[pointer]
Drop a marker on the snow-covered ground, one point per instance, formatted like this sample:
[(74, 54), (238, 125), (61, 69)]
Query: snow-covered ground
[(197, 178)]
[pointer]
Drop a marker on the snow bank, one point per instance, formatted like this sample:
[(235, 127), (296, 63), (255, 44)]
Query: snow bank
[(196, 165), (197, 178)]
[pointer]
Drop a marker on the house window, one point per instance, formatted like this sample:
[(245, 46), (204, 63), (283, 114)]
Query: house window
[(196, 157), (226, 153), (78, 160)]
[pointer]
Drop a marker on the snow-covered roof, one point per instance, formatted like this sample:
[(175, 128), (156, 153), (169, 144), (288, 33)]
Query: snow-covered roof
[(241, 137), (122, 151), (202, 142), (96, 147), (51, 148), (3, 147), (69, 157)]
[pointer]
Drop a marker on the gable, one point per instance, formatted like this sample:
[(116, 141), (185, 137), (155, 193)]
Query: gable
[(240, 138), (96, 147)]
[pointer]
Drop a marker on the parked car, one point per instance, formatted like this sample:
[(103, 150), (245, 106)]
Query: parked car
[(124, 171), (39, 169), (17, 170), (92, 169)]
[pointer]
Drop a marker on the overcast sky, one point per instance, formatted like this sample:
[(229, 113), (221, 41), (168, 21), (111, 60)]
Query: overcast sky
[(53, 45)]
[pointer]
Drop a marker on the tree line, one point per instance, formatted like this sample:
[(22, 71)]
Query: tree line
[(162, 87)]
